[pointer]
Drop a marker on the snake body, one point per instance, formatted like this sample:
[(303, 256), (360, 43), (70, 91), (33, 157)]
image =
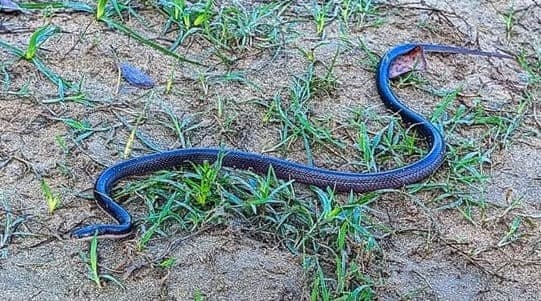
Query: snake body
[(284, 169)]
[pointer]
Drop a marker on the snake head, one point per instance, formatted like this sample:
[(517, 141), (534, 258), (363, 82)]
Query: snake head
[(413, 60)]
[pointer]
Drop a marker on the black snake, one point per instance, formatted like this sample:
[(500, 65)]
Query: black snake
[(284, 169)]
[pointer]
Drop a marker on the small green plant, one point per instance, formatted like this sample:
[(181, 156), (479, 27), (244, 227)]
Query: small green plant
[(509, 19), (198, 296), (167, 262), (199, 15), (61, 143), (362, 12), (532, 65), (156, 221), (180, 127), (133, 133), (367, 146), (81, 128), (239, 28), (295, 117), (37, 38), (202, 182), (52, 199), (189, 15), (93, 267), (30, 54), (512, 233), (321, 14)]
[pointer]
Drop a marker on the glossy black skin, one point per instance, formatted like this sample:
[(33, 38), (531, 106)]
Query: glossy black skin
[(287, 170)]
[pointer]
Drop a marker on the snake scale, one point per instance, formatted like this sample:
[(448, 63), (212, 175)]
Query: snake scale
[(284, 169)]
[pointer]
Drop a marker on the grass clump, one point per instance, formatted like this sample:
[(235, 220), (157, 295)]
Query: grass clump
[(294, 117), (317, 226)]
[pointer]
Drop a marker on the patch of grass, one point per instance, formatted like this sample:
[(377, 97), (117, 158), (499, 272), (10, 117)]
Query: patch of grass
[(61, 143), (370, 59), (107, 11), (37, 38), (82, 129), (322, 14), (382, 142), (473, 134), (240, 28), (156, 219), (189, 15), (317, 225), (363, 13), (226, 116), (294, 117), (232, 27), (181, 127), (512, 233)]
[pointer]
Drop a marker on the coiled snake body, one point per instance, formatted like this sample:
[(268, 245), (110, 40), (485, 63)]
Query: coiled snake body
[(284, 169)]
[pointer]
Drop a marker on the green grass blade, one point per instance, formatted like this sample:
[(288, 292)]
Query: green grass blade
[(100, 9), (39, 37), (94, 274), (145, 41), (12, 49)]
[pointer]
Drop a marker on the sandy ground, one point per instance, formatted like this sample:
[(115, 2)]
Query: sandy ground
[(432, 254)]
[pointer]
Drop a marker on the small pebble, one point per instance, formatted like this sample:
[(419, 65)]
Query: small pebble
[(135, 76)]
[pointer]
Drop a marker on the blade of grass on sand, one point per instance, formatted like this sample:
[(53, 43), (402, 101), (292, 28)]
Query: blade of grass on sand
[(145, 41), (52, 199), (100, 9), (39, 37)]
